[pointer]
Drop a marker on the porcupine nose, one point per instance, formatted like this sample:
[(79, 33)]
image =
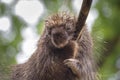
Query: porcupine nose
[(58, 35)]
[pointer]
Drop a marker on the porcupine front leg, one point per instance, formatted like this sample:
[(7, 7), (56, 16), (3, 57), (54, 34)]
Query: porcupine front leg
[(74, 65)]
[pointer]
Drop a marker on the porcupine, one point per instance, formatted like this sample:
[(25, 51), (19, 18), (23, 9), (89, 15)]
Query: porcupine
[(62, 53)]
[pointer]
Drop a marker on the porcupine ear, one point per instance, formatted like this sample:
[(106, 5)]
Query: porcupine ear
[(82, 17)]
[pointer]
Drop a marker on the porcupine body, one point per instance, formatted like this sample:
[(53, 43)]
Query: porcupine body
[(59, 58)]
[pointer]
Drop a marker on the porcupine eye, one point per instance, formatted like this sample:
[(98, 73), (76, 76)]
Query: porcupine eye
[(69, 27)]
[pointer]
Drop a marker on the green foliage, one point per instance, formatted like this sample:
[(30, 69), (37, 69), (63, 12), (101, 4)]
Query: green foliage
[(2, 9), (108, 26), (9, 42), (40, 26)]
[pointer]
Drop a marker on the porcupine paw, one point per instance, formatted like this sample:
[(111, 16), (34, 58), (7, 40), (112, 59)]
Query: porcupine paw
[(73, 65)]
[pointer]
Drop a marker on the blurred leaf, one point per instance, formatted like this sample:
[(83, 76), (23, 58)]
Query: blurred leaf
[(40, 26), (106, 34), (2, 9)]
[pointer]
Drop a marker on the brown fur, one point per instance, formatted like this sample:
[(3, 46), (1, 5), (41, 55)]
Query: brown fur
[(51, 62)]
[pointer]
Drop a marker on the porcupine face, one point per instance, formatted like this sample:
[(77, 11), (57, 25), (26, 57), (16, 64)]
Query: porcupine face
[(60, 28)]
